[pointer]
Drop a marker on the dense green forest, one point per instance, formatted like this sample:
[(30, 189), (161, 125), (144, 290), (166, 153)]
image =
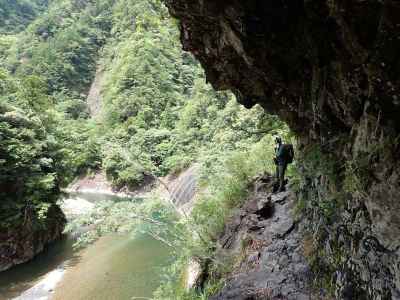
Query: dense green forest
[(46, 138), (15, 15), (158, 113)]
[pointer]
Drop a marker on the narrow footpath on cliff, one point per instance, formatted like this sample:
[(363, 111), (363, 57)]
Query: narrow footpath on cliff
[(268, 238)]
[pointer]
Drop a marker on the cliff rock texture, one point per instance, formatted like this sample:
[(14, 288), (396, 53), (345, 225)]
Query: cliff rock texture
[(331, 70), (269, 240), (21, 244)]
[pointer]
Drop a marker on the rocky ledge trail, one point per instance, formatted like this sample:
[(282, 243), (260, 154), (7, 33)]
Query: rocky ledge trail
[(268, 237)]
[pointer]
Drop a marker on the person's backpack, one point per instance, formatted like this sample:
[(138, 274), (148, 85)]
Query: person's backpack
[(288, 153)]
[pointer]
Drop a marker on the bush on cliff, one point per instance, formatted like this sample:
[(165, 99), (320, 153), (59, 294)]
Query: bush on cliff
[(225, 187), (39, 151)]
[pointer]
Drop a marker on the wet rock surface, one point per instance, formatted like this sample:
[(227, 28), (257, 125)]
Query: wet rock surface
[(273, 265)]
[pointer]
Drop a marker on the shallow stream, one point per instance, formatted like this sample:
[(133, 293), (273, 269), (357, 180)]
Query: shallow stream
[(115, 267)]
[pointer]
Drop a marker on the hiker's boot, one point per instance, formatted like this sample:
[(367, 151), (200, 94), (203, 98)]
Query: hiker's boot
[(281, 186), (275, 187)]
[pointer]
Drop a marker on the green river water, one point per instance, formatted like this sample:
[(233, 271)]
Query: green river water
[(115, 267)]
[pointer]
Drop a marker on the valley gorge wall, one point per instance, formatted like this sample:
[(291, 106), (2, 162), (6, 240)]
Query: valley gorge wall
[(21, 243), (331, 70)]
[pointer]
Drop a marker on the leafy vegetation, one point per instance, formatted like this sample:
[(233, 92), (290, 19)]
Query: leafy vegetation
[(159, 111), (41, 150), (46, 138), (158, 116), (15, 15), (225, 184), (28, 176), (128, 216)]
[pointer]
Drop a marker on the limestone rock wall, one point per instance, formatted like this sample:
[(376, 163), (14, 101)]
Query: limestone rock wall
[(331, 70)]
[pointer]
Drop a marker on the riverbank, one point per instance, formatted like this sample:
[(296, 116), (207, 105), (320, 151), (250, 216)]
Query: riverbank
[(22, 242), (97, 183), (116, 265), (45, 287), (60, 272)]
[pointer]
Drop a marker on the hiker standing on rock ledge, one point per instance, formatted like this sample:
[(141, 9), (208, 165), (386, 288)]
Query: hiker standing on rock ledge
[(284, 155)]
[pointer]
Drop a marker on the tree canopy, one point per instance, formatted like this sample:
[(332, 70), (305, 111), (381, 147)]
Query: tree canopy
[(158, 113)]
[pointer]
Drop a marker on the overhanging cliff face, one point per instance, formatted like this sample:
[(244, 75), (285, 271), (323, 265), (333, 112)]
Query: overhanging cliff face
[(315, 63), (331, 70)]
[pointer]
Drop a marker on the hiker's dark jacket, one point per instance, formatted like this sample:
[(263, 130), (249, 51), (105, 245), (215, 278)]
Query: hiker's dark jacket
[(280, 155)]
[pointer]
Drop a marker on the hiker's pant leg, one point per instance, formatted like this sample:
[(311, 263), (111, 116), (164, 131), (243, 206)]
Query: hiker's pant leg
[(277, 172), (282, 170)]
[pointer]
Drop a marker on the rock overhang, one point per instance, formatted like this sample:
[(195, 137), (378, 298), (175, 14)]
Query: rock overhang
[(331, 70), (314, 63)]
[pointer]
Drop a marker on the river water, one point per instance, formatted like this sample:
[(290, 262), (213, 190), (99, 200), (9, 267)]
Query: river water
[(115, 267)]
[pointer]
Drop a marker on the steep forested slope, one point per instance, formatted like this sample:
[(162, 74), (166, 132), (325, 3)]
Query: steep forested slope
[(15, 15), (159, 115), (31, 173), (44, 134), (158, 111)]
